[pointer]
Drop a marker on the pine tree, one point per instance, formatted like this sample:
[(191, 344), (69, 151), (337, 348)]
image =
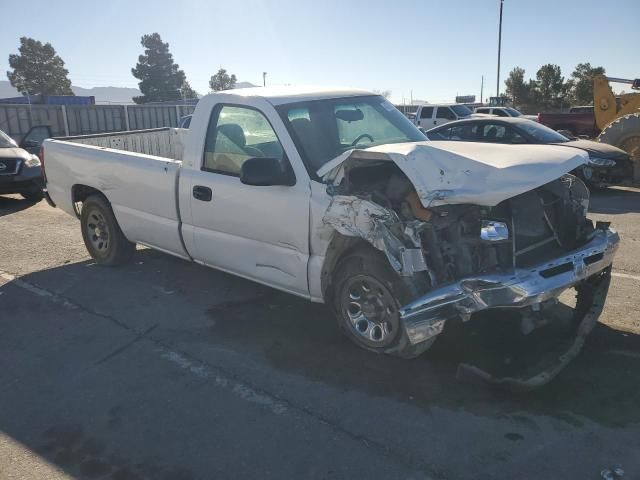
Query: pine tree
[(38, 70), (222, 81), (160, 77)]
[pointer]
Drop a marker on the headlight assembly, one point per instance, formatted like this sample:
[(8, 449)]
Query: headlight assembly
[(33, 161), (601, 162)]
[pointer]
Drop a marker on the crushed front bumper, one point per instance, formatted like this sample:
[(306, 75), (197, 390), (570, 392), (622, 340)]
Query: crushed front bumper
[(425, 317)]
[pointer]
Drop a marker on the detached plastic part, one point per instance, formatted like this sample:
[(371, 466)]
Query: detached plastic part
[(594, 295)]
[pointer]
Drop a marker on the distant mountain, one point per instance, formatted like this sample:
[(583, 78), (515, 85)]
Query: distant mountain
[(244, 85), (102, 94)]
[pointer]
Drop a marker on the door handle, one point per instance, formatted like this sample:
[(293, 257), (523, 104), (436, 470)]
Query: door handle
[(434, 122), (202, 193)]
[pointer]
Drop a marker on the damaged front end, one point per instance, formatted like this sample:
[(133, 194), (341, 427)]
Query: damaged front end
[(519, 254)]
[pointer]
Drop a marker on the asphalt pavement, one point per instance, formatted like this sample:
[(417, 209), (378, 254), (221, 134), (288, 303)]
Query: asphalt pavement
[(167, 370)]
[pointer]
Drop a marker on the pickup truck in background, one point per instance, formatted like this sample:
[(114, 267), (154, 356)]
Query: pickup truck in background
[(335, 196), (578, 124)]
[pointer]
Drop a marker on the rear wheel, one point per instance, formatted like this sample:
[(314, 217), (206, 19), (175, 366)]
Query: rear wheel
[(101, 233), (624, 133), (368, 295)]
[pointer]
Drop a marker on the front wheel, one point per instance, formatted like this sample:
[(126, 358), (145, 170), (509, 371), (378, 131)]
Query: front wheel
[(368, 296), (101, 233)]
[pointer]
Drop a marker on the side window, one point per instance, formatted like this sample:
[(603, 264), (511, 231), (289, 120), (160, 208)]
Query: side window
[(444, 134), (426, 112), (514, 137), (482, 110), (501, 113), (492, 133), (496, 133), (236, 134), (465, 133), (445, 112)]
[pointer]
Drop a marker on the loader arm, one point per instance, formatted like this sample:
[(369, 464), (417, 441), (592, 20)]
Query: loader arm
[(608, 107)]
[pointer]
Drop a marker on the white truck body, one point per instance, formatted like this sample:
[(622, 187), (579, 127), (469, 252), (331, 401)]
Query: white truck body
[(163, 195)]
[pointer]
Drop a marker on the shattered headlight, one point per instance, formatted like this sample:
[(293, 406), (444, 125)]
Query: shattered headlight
[(601, 162), (32, 161), (493, 231)]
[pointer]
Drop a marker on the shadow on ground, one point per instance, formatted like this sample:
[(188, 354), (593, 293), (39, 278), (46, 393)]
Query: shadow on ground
[(302, 338), (14, 204), (296, 337)]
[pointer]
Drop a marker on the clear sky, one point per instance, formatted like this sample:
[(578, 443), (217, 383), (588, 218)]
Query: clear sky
[(436, 49)]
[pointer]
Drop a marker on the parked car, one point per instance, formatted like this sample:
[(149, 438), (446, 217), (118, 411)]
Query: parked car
[(504, 112), (20, 171), (335, 196), (607, 165), (185, 121), (428, 116), (579, 124)]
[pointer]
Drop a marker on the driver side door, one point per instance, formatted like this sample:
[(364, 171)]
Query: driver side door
[(257, 232)]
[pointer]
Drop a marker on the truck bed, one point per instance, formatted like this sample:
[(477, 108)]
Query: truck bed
[(137, 172)]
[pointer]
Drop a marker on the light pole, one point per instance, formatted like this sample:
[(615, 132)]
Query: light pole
[(499, 47), (264, 79)]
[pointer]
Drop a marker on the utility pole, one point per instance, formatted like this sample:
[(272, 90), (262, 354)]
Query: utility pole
[(264, 79), (499, 47), (481, 88)]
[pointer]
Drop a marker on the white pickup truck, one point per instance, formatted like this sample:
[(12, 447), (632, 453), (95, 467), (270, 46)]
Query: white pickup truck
[(335, 196)]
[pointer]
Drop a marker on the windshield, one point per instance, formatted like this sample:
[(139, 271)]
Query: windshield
[(513, 112), (6, 141), (461, 110), (543, 134), (323, 129)]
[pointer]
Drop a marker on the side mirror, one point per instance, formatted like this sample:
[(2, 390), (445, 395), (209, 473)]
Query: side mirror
[(422, 130), (265, 171)]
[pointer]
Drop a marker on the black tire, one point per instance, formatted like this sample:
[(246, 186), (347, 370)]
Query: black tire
[(624, 133), (101, 233), (34, 196), (389, 291)]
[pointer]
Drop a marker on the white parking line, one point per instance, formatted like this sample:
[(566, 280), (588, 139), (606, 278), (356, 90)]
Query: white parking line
[(625, 275)]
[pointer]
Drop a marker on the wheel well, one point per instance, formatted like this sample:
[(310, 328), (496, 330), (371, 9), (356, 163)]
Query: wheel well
[(79, 193), (340, 246)]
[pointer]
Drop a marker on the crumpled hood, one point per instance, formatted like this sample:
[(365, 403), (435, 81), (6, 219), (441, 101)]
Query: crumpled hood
[(465, 172)]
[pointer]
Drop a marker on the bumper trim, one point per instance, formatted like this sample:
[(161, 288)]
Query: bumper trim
[(425, 317)]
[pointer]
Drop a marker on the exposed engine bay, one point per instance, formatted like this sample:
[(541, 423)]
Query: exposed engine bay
[(451, 242)]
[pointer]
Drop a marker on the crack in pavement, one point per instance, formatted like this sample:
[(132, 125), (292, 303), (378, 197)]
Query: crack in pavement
[(223, 378)]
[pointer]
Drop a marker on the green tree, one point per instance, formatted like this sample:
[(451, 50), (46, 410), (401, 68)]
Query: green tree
[(160, 77), (582, 83), (550, 86), (517, 88), (38, 70), (222, 81), (187, 92)]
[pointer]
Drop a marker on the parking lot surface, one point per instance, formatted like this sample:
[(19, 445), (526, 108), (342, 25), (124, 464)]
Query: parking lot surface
[(168, 370)]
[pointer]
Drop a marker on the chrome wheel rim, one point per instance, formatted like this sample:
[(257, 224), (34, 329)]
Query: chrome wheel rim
[(370, 310), (98, 231)]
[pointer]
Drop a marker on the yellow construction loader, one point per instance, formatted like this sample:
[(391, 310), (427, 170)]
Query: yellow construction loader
[(618, 116)]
